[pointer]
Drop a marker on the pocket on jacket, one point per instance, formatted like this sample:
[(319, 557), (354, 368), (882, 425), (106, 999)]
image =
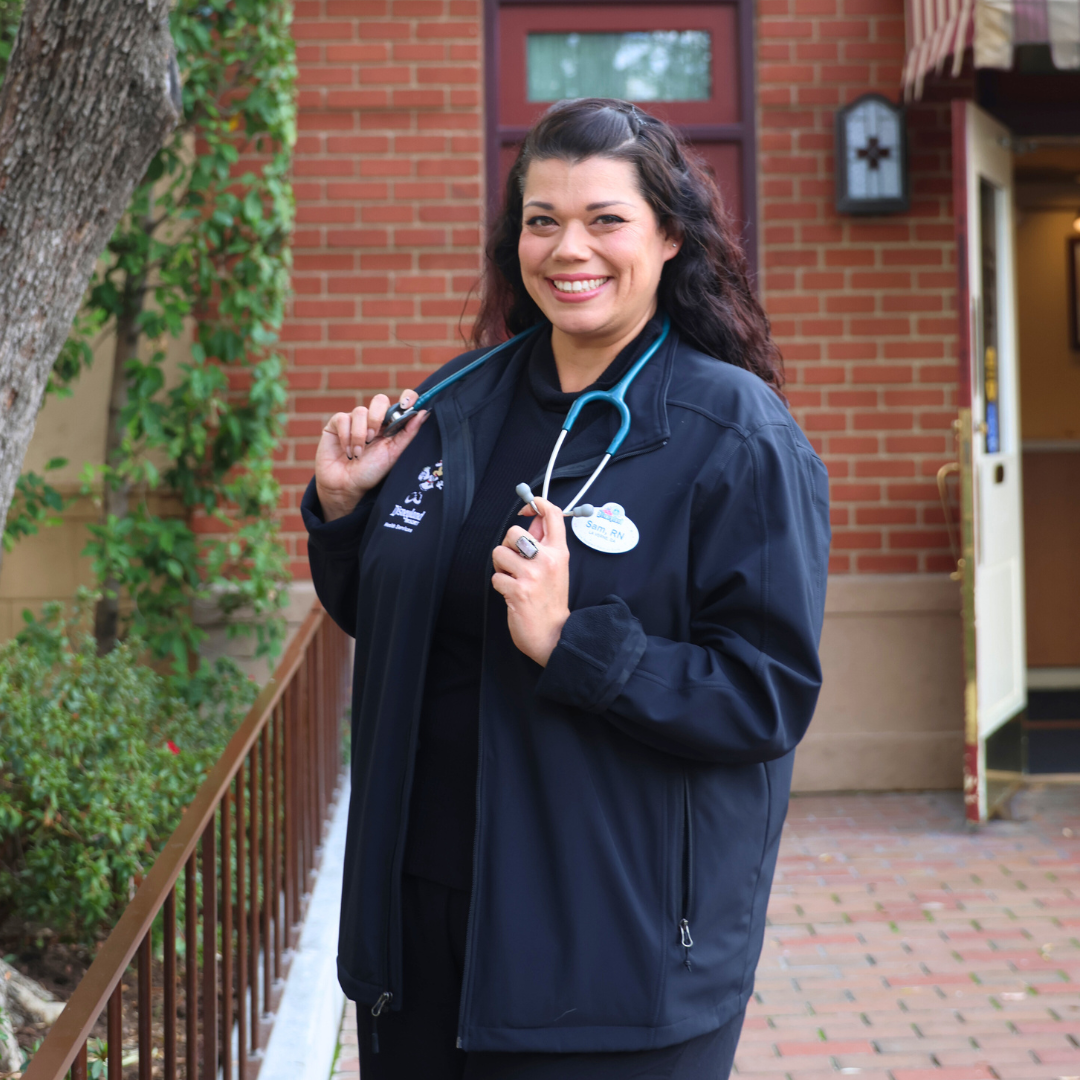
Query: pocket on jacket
[(718, 838), (686, 905)]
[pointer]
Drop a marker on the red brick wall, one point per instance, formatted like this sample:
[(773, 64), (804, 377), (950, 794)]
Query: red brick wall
[(864, 309), (388, 176)]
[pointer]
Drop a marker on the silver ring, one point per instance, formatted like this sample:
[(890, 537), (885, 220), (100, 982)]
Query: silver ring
[(526, 547)]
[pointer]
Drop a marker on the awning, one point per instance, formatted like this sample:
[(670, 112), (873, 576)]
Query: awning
[(938, 29)]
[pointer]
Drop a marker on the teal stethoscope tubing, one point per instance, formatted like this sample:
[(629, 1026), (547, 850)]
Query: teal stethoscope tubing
[(615, 396), (397, 417)]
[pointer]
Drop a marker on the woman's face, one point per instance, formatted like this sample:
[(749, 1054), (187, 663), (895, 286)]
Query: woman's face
[(591, 249)]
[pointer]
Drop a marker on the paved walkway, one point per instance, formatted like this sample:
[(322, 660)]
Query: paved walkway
[(347, 1063), (901, 946)]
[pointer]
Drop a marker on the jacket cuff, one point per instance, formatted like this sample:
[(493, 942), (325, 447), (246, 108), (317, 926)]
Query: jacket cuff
[(339, 537), (597, 653)]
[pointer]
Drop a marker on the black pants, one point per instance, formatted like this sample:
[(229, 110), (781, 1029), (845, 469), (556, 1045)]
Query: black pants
[(419, 1042)]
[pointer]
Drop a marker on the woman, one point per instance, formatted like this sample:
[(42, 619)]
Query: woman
[(572, 753)]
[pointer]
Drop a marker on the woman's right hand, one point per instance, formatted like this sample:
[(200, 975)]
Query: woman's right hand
[(353, 457)]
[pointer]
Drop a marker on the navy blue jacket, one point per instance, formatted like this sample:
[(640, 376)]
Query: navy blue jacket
[(642, 777)]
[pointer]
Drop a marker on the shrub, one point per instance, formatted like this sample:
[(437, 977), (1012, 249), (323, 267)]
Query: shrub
[(99, 755)]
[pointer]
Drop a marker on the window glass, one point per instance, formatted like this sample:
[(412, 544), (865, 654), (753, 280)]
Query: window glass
[(873, 151), (988, 361), (652, 65)]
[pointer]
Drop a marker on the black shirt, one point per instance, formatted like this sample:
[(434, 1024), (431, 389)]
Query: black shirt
[(442, 813)]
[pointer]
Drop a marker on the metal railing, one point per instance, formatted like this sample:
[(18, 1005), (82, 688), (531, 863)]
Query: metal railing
[(245, 851)]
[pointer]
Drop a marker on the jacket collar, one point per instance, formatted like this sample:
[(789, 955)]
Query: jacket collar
[(490, 388)]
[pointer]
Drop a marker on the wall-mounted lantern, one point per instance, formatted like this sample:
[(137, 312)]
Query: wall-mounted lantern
[(871, 157)]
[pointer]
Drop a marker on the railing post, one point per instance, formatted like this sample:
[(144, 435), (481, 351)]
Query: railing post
[(289, 755), (281, 904), (256, 908), (169, 1017), (79, 1065), (226, 934), (210, 929), (269, 898), (303, 787), (241, 928), (146, 988), (115, 1036), (191, 971)]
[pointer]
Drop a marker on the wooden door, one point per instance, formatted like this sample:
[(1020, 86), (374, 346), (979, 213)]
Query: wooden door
[(687, 63)]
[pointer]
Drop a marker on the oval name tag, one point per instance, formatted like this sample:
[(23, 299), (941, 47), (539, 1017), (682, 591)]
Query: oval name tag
[(609, 529)]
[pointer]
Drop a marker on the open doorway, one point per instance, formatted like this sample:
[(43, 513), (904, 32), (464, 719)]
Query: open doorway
[(1047, 195), (1044, 738), (1018, 443)]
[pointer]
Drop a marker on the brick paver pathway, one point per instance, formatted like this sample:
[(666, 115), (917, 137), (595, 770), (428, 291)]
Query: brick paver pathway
[(902, 946), (347, 1063)]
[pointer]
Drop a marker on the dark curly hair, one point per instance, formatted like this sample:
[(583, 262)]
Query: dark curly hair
[(705, 288)]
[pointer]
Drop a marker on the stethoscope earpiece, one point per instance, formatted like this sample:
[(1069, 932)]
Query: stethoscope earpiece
[(525, 494)]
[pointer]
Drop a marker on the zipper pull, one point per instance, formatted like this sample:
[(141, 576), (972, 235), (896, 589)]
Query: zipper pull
[(685, 940), (384, 1000)]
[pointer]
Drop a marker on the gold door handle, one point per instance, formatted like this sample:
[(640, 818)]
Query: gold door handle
[(946, 508)]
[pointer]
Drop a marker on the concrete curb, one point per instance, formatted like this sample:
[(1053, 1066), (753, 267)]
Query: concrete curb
[(308, 1020)]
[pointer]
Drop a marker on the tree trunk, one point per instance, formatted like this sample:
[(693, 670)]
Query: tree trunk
[(91, 91)]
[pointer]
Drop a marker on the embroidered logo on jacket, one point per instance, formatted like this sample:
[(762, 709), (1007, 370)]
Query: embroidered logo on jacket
[(431, 479)]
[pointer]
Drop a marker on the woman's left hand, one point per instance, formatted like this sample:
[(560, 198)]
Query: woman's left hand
[(536, 591)]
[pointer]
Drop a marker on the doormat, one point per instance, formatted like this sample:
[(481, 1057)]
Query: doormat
[(1052, 730)]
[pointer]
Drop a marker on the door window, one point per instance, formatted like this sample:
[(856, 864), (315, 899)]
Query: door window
[(649, 65), (989, 376)]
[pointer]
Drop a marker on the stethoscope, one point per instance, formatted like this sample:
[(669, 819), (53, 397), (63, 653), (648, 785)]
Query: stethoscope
[(398, 416)]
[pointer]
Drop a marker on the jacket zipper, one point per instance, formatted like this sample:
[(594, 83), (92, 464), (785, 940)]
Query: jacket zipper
[(387, 995), (569, 470), (479, 766), (685, 939), (384, 999)]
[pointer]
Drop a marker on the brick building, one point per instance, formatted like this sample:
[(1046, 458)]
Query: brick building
[(390, 175), (907, 335), (409, 110)]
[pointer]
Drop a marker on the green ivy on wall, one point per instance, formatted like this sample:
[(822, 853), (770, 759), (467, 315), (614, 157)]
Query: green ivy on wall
[(203, 250)]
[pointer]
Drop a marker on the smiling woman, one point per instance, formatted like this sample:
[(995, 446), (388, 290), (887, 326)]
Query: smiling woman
[(572, 750), (592, 263), (669, 240)]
